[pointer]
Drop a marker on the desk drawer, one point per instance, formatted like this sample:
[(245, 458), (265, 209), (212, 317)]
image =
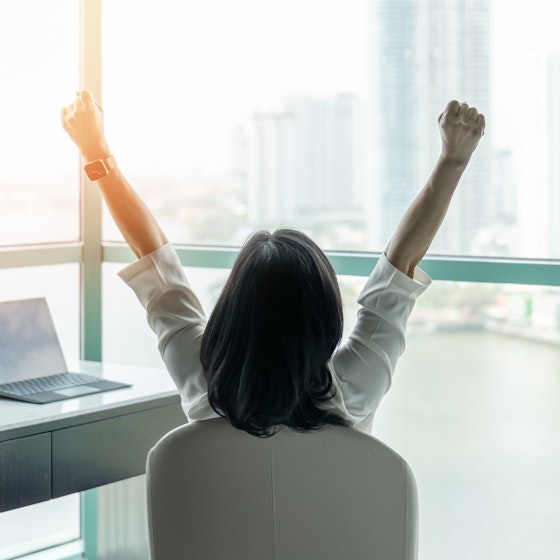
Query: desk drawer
[(25, 471), (109, 450)]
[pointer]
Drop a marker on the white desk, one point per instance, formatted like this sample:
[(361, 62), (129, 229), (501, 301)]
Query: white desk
[(50, 450)]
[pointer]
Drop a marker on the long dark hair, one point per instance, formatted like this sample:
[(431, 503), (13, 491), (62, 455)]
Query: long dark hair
[(274, 328)]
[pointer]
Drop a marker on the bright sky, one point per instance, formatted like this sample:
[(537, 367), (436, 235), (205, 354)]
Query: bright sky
[(39, 70), (180, 75), (227, 59)]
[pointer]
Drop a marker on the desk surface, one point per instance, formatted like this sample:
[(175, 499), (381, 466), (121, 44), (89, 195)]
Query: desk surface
[(150, 387), (50, 450)]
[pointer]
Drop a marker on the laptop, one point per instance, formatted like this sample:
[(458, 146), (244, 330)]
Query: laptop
[(32, 364)]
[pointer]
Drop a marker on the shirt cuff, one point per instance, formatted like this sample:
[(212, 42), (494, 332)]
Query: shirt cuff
[(385, 275), (164, 254)]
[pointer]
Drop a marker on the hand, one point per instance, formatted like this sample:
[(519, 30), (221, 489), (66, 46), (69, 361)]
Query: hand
[(83, 121), (461, 127)]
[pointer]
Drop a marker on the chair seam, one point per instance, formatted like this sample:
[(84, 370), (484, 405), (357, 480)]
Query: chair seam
[(406, 515), (411, 501), (271, 458)]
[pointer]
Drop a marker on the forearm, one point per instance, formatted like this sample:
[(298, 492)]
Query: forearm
[(133, 218), (421, 221), (461, 128), (83, 121), (129, 212)]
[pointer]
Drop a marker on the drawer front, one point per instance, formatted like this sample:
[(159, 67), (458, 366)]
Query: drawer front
[(25, 471), (108, 450)]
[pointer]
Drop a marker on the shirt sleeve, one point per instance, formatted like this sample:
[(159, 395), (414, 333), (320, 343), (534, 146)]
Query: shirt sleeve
[(362, 368), (176, 316)]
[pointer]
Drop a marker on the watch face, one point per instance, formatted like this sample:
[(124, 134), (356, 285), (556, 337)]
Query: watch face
[(95, 170)]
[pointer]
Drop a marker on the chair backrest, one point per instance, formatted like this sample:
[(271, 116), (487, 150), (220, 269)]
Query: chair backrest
[(215, 492)]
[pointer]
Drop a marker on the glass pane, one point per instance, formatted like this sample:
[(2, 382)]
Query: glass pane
[(476, 416), (232, 115), (39, 526), (60, 284), (39, 177), (220, 74), (473, 409), (56, 521)]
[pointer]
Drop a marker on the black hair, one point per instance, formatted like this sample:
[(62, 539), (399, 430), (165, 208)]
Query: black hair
[(275, 326)]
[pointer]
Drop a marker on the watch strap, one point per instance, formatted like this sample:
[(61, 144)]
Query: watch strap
[(110, 162)]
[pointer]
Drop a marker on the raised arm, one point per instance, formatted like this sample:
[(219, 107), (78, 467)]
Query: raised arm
[(461, 128), (83, 121)]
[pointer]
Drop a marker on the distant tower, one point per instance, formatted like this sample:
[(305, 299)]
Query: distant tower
[(423, 55), (553, 214), (538, 163), (238, 162), (303, 162), (270, 174)]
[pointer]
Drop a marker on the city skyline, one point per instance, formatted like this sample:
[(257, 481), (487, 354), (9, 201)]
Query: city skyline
[(303, 162), (419, 56), (423, 56), (181, 154)]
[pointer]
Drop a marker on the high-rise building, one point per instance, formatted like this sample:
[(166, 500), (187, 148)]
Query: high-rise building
[(303, 162), (538, 161), (270, 168), (425, 53), (553, 196)]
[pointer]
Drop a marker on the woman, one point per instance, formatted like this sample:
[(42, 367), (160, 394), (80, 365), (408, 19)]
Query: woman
[(269, 354)]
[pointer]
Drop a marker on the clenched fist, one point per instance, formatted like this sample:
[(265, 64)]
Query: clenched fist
[(83, 121), (461, 128)]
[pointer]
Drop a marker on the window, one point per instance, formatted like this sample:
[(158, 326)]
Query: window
[(228, 116), (60, 285), (474, 414), (472, 408), (40, 67), (324, 116), (39, 526), (39, 204), (46, 524)]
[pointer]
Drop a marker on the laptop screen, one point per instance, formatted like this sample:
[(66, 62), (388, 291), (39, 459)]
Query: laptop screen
[(29, 345)]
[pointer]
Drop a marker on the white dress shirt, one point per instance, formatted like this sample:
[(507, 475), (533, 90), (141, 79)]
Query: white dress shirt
[(361, 368)]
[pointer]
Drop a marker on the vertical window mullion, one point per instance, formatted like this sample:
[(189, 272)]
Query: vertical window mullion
[(91, 235), (90, 206)]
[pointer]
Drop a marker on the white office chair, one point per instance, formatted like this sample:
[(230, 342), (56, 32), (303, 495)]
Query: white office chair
[(215, 492)]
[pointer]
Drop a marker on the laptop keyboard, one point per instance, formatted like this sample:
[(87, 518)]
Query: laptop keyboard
[(48, 383)]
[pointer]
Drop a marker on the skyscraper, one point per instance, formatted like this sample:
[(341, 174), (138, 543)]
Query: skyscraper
[(303, 162), (553, 197), (425, 53), (270, 169), (538, 162)]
